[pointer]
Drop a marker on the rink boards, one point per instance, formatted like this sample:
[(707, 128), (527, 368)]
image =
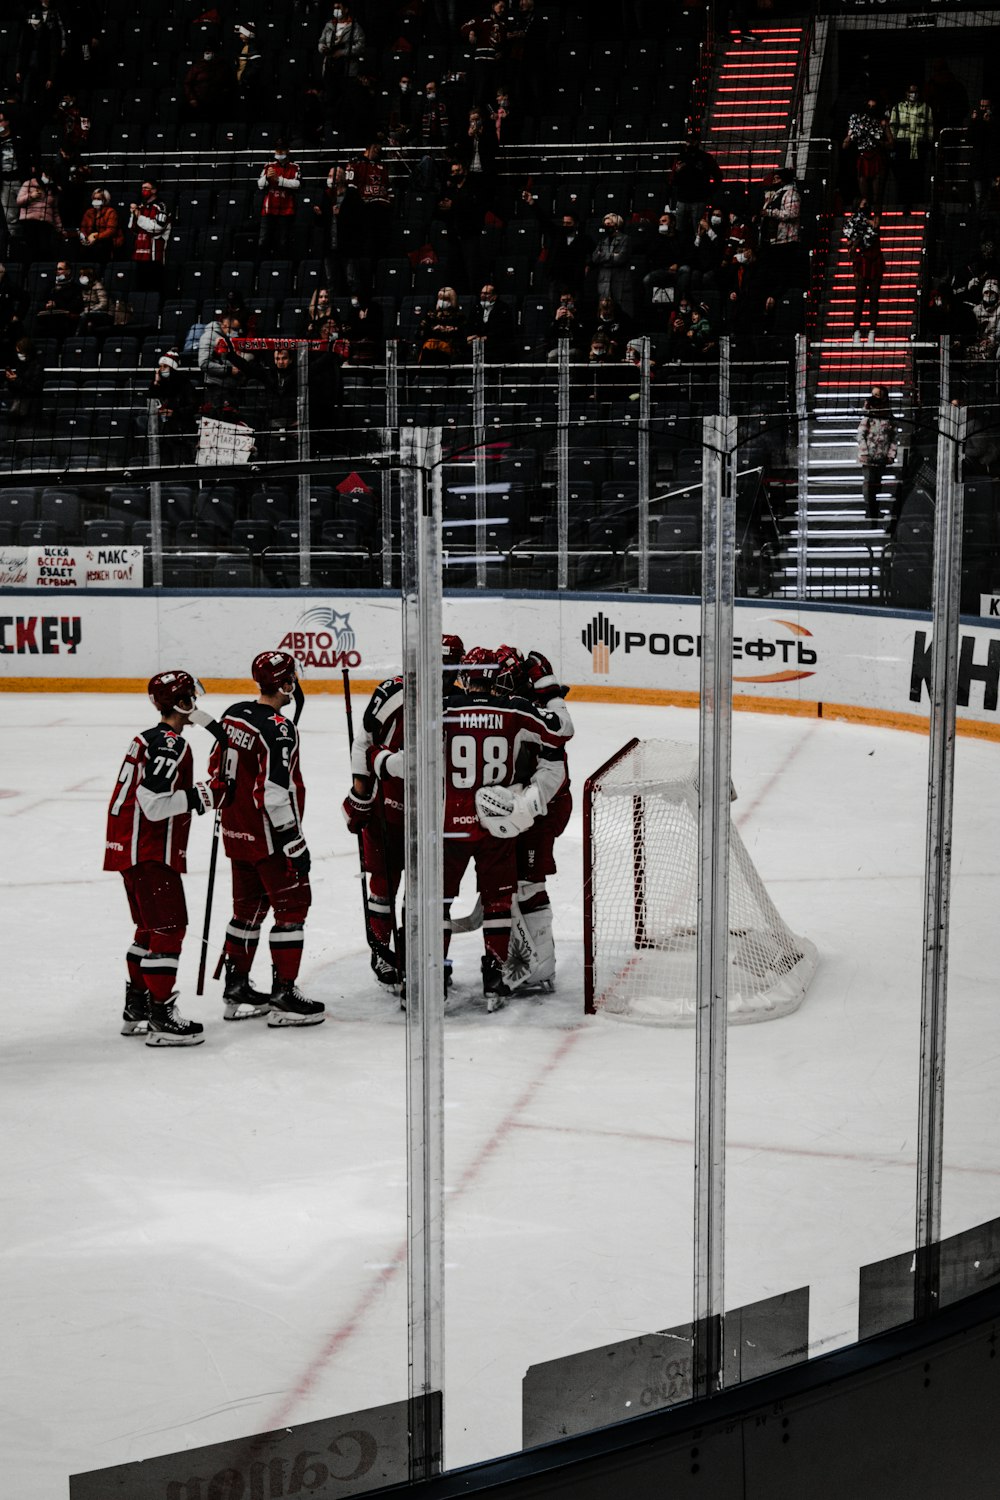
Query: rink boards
[(870, 665)]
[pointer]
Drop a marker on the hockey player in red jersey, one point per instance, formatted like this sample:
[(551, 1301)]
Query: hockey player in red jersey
[(533, 678), (374, 808), (149, 818), (263, 839), (485, 734)]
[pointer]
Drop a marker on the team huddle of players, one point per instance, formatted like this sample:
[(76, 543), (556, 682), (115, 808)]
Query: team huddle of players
[(507, 799)]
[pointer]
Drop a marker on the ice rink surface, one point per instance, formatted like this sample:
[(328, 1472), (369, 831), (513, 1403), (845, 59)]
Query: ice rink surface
[(204, 1243)]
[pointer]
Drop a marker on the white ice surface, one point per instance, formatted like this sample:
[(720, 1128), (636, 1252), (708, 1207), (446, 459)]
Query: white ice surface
[(203, 1243)]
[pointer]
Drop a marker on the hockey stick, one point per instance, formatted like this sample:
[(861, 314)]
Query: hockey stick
[(203, 960), (472, 921), (376, 947)]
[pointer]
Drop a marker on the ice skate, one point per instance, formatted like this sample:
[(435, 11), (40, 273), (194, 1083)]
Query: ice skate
[(242, 1001), (385, 970), (168, 1028), (135, 1016), (494, 988), (290, 1008)]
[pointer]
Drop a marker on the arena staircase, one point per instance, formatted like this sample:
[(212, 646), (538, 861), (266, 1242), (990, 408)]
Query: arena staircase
[(844, 547), (748, 116)]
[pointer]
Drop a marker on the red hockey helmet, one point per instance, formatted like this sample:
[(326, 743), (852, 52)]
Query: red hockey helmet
[(274, 671), (477, 669), (168, 689), (510, 669), (452, 650)]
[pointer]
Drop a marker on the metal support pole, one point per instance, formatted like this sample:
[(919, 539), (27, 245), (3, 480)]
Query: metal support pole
[(390, 444), (944, 370), (155, 498), (424, 779), (937, 856), (802, 487), (562, 467), (479, 439), (714, 757), (645, 382), (305, 483)]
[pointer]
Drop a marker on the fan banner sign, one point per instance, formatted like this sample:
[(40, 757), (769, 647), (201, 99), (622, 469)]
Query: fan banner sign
[(70, 568), (604, 647)]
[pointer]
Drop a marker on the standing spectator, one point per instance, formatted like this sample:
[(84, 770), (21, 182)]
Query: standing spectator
[(36, 59), (248, 72), (12, 170), (208, 86), (369, 176), (503, 118), (73, 124), (150, 226), (567, 248), (11, 306), (876, 446), (402, 113), (946, 95), (22, 387), (71, 179), (341, 213), (100, 232), (710, 246), (781, 233), (173, 390), (460, 213), (95, 314), (38, 215), (263, 839), (912, 125), (491, 322), (477, 151), (432, 118), (487, 37), (748, 304), (611, 256), (868, 266), (149, 819), (868, 132), (983, 135), (279, 181), (691, 186), (442, 331), (341, 52), (278, 374), (60, 312)]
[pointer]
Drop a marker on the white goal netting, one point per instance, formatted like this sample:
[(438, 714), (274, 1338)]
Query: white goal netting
[(641, 896)]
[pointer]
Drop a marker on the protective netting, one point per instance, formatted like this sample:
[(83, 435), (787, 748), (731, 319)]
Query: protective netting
[(642, 895)]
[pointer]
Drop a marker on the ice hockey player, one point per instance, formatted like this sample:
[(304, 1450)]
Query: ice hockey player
[(149, 818), (485, 733), (533, 678), (263, 839), (373, 808)]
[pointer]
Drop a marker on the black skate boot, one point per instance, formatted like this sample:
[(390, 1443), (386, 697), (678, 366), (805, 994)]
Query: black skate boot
[(384, 968), (242, 1001), (167, 1028), (135, 1016), (289, 1008), (494, 989)]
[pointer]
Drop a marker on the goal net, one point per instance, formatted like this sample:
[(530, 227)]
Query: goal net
[(641, 900)]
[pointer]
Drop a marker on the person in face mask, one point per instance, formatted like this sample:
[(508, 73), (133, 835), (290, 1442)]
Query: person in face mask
[(279, 181), (869, 136), (341, 49), (39, 220), (247, 63), (150, 226), (432, 117), (912, 125), (987, 316), (441, 339), (876, 447), (96, 311), (63, 303), (208, 86), (340, 214), (669, 256), (100, 231), (491, 322)]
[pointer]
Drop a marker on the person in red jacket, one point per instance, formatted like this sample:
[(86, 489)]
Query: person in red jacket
[(100, 231), (149, 223), (149, 818), (279, 181)]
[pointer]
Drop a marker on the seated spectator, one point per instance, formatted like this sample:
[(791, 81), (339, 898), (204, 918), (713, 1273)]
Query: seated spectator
[(177, 401), (491, 323), (987, 315), (613, 326), (566, 327), (669, 256), (96, 314), (700, 338), (680, 324), (322, 321), (983, 136), (100, 232), (611, 256), (60, 312), (944, 317), (11, 309), (221, 365), (442, 331), (39, 221), (364, 331), (709, 246), (22, 386)]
